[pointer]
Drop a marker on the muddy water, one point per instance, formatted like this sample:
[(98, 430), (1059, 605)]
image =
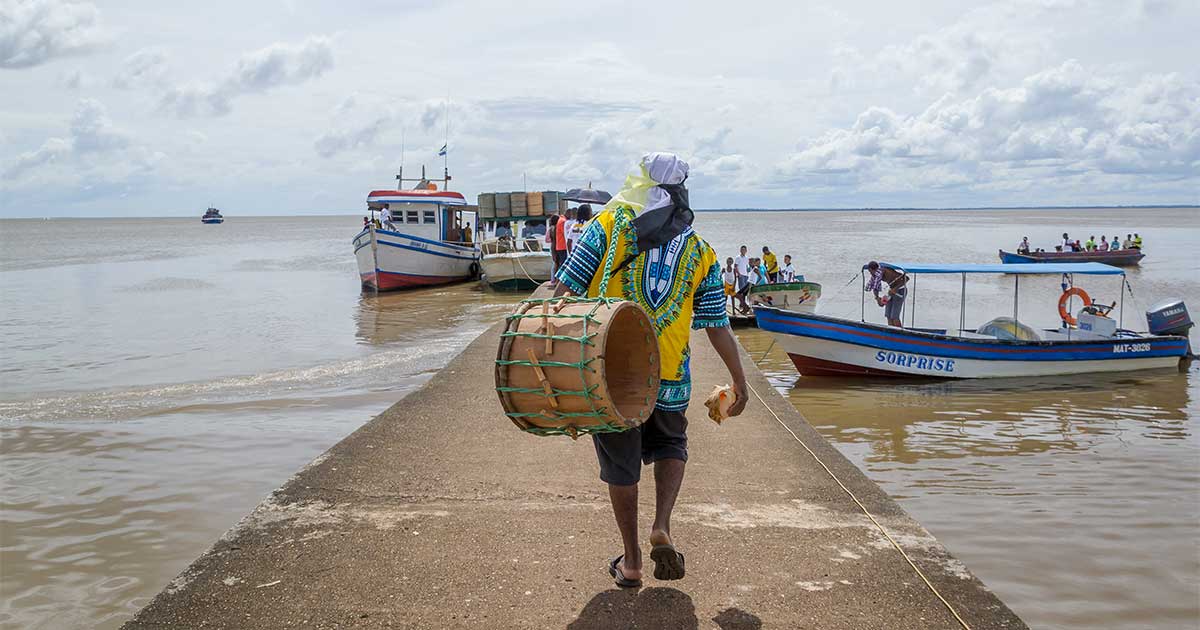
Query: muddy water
[(160, 377)]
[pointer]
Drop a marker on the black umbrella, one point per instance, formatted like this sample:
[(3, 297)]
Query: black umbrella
[(587, 195)]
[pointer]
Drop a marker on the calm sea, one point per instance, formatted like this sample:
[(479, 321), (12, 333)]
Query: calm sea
[(160, 376)]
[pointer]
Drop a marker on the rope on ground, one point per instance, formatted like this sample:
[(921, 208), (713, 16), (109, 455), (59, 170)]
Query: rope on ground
[(864, 510)]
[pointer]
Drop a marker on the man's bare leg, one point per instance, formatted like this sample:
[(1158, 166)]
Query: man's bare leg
[(668, 478), (624, 501)]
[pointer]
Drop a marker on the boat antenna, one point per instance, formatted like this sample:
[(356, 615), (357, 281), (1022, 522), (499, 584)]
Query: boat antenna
[(446, 148), (400, 175)]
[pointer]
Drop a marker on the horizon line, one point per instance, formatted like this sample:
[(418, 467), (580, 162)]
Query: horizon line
[(815, 209)]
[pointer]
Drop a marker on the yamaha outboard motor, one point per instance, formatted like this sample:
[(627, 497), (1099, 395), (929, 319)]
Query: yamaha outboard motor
[(1169, 318)]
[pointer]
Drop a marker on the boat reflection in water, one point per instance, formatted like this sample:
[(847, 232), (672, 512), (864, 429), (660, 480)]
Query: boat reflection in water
[(952, 419), (413, 316)]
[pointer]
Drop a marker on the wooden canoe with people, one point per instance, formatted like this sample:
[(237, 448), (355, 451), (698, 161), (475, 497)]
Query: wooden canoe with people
[(1119, 258)]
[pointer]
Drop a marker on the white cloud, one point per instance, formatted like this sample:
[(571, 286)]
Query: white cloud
[(1061, 122), (146, 67), (94, 150), (33, 32), (354, 136), (276, 65)]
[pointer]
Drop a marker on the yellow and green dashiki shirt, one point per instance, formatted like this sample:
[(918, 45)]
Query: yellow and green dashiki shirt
[(678, 284)]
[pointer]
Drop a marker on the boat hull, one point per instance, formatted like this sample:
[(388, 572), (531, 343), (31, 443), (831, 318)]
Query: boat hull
[(827, 346), (516, 270), (212, 221), (791, 296), (1119, 258), (390, 261)]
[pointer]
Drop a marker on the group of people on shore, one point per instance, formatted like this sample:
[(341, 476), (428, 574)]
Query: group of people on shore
[(563, 231), (1132, 241), (744, 272)]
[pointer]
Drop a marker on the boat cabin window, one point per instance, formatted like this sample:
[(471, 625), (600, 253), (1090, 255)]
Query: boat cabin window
[(429, 216), (411, 216)]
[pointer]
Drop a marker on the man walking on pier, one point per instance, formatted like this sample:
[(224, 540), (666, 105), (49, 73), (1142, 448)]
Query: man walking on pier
[(661, 263)]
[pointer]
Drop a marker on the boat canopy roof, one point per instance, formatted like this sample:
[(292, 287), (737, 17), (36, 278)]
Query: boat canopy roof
[(1088, 268), (443, 197)]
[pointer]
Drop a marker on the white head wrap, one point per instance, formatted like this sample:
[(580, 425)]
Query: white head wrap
[(641, 192)]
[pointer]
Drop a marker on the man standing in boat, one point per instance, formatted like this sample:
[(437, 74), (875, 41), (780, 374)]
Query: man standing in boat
[(664, 266), (896, 284)]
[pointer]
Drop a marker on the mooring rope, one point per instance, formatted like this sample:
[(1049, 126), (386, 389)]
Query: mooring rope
[(864, 510)]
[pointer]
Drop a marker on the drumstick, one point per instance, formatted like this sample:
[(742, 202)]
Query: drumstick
[(542, 377)]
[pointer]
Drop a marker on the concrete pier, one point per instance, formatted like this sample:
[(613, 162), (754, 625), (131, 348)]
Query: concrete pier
[(439, 513)]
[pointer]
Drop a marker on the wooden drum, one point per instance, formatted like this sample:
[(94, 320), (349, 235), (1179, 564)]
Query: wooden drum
[(571, 366)]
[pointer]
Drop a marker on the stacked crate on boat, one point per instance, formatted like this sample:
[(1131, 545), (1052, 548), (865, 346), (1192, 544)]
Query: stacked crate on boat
[(487, 205), (562, 205), (533, 204), (517, 203), (550, 201), (503, 207)]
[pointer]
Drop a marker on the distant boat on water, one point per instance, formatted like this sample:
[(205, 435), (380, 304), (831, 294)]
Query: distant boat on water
[(1118, 258), (212, 215)]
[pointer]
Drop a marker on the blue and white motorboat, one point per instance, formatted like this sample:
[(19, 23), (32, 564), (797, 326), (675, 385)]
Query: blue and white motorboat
[(1088, 340)]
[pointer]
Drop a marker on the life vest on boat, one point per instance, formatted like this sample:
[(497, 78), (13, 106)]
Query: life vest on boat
[(1065, 298)]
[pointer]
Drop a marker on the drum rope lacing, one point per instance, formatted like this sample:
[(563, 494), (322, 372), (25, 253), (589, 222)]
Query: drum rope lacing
[(864, 510), (525, 311)]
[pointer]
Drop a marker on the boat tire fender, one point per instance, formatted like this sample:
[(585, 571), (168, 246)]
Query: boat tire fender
[(1065, 314), (474, 270)]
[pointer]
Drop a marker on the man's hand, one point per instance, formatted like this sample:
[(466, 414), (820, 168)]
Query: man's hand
[(742, 394), (727, 347)]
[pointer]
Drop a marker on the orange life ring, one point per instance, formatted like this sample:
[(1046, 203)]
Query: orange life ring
[(1066, 315)]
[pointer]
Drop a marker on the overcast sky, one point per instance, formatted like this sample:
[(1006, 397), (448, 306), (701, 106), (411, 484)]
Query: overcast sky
[(292, 107)]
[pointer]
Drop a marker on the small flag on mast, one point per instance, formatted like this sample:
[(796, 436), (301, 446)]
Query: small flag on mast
[(442, 151)]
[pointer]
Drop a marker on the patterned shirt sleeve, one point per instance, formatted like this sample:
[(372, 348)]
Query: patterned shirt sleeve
[(585, 260), (709, 310)]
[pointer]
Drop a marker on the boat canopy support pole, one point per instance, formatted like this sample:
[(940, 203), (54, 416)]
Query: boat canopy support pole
[(962, 306), (1016, 294), (863, 298), (1121, 309), (912, 317)]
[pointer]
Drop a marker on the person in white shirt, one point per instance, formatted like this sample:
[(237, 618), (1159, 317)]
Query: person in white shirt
[(582, 214), (385, 216), (729, 279), (754, 278), (1067, 244), (788, 272), (1023, 248), (741, 266)]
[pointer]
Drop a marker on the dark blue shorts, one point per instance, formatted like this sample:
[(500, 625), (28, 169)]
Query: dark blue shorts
[(621, 455)]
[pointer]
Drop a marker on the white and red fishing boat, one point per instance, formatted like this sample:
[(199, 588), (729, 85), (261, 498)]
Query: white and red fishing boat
[(423, 238)]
